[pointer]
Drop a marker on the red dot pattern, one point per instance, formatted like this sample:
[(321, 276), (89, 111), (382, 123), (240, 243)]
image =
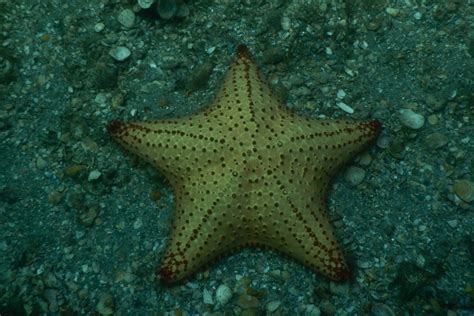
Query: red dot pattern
[(246, 171)]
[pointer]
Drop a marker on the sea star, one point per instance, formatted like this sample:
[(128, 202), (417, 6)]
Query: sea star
[(247, 171)]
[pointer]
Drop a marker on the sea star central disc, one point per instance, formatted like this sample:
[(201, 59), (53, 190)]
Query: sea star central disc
[(246, 171)]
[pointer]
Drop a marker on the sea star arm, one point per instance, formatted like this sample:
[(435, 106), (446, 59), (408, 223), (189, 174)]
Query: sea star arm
[(326, 144), (173, 146), (205, 225)]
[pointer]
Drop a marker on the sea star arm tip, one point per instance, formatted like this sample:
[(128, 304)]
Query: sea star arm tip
[(375, 126), (242, 51), (115, 127), (165, 274)]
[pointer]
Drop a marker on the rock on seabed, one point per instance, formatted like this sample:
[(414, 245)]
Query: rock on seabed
[(464, 189), (411, 119)]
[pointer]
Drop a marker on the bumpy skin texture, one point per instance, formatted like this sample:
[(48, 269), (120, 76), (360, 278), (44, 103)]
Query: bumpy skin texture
[(246, 171)]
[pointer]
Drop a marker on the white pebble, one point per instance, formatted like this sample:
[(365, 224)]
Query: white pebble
[(411, 119), (211, 50), (94, 175), (138, 223), (223, 294), (345, 107), (453, 223), (392, 11), (99, 27), (126, 18), (207, 297), (192, 285), (340, 94), (349, 71), (285, 23), (85, 268), (145, 4), (120, 53)]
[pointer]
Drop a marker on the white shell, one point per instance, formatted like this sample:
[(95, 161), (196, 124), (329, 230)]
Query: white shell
[(411, 119), (223, 294)]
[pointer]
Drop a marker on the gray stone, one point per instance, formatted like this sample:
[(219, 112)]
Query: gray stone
[(355, 175), (126, 18), (411, 119)]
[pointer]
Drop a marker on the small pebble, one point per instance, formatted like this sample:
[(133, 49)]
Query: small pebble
[(87, 217), (436, 140), (272, 306), (435, 104), (54, 197), (392, 11), (346, 108), (373, 25), (411, 119), (349, 71), (192, 285), (51, 296), (302, 91), (223, 294), (117, 100), (41, 163), (379, 309), (94, 175), (364, 264), (105, 306), (285, 23), (167, 9), (120, 53), (183, 10), (247, 301), (339, 289), (99, 27), (126, 18), (383, 141), (312, 310), (145, 4), (464, 189), (207, 297), (433, 119), (340, 94), (365, 159), (354, 175), (453, 223), (138, 223), (101, 99), (125, 276), (155, 195)]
